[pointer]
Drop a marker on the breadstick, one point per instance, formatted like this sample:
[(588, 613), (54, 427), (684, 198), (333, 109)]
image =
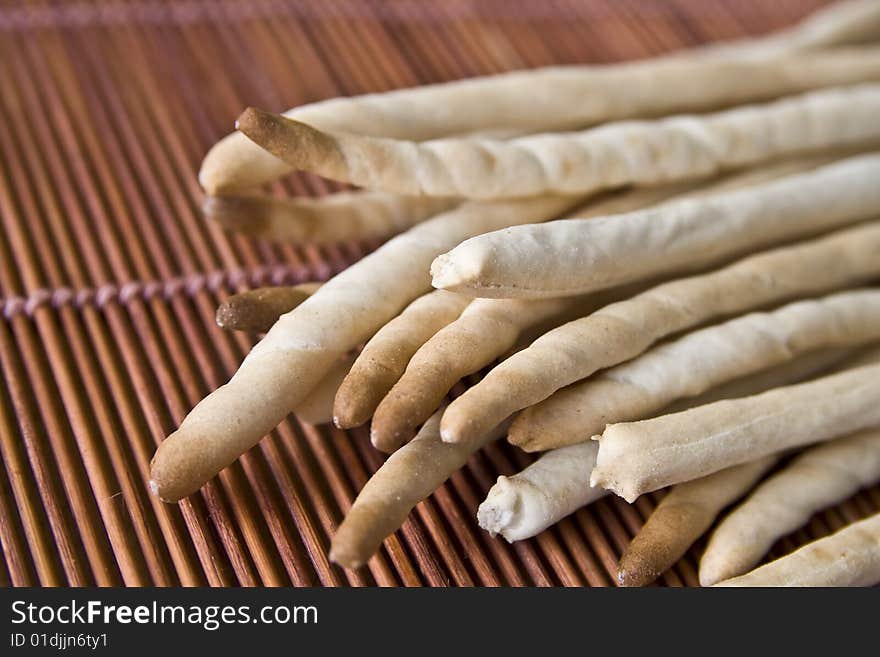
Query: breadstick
[(486, 329), (328, 219), (552, 491), (542, 426), (563, 258), (843, 22), (303, 345), (405, 479), (255, 311), (818, 478), (554, 486), (810, 366), (654, 152), (698, 362), (625, 329), (640, 457), (686, 512), (491, 327), (385, 356), (317, 407), (553, 98), (849, 557), (689, 508)]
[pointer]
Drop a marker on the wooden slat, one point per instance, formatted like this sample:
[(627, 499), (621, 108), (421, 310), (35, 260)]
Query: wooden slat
[(109, 277)]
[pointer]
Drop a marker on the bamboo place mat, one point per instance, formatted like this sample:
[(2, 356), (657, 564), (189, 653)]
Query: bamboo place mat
[(109, 278)]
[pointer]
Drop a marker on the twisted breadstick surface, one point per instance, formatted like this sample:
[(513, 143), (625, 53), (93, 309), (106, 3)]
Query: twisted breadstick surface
[(640, 457), (698, 362), (553, 98), (613, 155)]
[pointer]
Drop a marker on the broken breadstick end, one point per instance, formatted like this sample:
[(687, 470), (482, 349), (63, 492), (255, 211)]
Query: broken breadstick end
[(500, 508), (599, 477), (450, 273)]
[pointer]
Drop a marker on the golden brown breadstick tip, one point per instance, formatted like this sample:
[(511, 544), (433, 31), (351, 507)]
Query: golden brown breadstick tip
[(255, 311), (681, 517), (247, 214), (296, 143), (405, 479), (385, 356), (324, 220)]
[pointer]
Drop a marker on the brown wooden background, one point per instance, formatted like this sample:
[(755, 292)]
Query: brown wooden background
[(109, 278)]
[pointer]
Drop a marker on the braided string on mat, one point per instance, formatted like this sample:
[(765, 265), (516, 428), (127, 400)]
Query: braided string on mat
[(109, 279), (190, 285)]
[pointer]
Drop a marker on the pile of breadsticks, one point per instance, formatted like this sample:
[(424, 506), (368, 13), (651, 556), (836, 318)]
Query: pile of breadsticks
[(702, 318)]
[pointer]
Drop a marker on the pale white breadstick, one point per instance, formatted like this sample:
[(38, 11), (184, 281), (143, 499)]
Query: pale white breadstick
[(334, 218), (490, 327), (385, 356), (690, 508), (317, 407), (816, 479), (849, 557), (554, 486), (547, 424), (700, 361), (806, 367), (845, 21), (686, 512), (548, 490), (484, 331), (625, 329), (574, 257), (614, 155), (640, 457), (405, 479), (563, 98), (303, 345)]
